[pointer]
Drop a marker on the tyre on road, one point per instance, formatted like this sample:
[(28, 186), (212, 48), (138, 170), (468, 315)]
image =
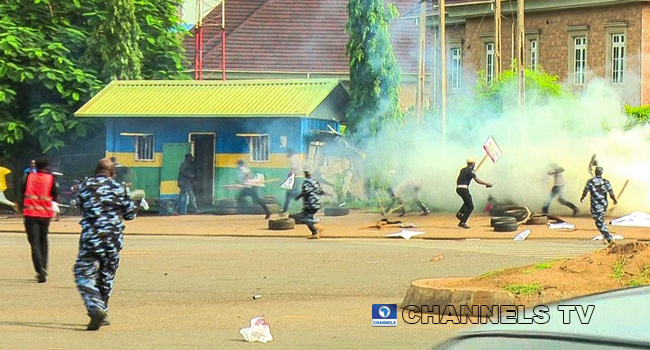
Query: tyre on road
[(227, 203), (502, 220), (337, 211), (282, 224), (518, 214), (538, 219), (505, 227), (497, 212), (226, 211)]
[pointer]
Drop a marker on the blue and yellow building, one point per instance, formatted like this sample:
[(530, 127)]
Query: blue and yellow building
[(151, 125)]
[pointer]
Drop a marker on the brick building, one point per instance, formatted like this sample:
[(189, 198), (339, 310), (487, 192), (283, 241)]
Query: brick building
[(577, 40)]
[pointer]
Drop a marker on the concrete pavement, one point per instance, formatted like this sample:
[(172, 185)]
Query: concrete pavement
[(196, 292)]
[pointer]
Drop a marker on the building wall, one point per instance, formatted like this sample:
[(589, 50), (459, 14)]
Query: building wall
[(554, 44), (229, 147)]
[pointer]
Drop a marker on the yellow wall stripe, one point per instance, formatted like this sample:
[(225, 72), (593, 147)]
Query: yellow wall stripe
[(221, 160), (169, 187), (128, 159)]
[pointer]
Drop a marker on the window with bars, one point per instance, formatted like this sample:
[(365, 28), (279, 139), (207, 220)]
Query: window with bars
[(618, 58), (456, 68), (579, 59), (259, 148), (534, 54), (144, 148), (489, 63)]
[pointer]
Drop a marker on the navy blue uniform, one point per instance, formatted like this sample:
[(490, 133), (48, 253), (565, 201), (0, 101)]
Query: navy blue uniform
[(104, 203), (599, 188), (311, 203)]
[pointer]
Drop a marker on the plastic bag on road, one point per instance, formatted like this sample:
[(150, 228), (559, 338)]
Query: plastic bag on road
[(259, 331)]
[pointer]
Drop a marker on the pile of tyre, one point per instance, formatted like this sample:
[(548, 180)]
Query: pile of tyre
[(509, 220)]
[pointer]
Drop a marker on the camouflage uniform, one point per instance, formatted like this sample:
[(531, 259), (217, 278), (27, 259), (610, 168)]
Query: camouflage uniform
[(104, 203), (599, 188), (311, 192)]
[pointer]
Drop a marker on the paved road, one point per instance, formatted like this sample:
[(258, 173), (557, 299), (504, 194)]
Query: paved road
[(196, 292)]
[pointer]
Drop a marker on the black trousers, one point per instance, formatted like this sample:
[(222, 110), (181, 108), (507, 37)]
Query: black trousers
[(468, 206), (252, 192), (37, 230)]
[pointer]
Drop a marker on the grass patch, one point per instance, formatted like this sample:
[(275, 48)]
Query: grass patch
[(523, 289), (527, 272), (491, 274), (547, 265), (619, 269), (641, 279)]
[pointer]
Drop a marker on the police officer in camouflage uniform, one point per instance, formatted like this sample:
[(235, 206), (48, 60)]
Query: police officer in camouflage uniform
[(311, 204), (598, 188), (104, 203)]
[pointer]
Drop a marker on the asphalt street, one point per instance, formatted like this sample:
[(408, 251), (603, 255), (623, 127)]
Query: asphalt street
[(196, 292)]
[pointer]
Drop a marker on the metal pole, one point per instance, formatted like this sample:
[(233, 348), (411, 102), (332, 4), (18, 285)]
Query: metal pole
[(521, 34), (497, 38), (421, 68), (223, 39), (443, 65)]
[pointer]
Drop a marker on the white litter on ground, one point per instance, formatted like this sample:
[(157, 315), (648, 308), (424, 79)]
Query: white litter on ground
[(259, 331), (406, 234), (561, 226), (522, 235), (614, 237), (636, 219)]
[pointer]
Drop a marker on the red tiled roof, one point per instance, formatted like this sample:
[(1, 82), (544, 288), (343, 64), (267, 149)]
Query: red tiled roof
[(296, 36)]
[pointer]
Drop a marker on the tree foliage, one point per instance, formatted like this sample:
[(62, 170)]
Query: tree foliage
[(540, 87), (54, 55), (114, 42), (374, 74), (637, 115)]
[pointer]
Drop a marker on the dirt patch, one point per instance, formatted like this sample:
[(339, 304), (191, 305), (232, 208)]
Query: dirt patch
[(619, 266)]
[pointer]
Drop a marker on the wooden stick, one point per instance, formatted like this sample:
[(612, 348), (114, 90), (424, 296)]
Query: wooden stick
[(620, 193), (481, 163)]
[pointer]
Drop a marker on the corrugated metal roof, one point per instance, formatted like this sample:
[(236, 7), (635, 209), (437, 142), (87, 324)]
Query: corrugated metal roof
[(211, 98)]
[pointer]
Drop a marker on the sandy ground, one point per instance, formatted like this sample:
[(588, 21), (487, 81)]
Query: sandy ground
[(619, 266), (196, 292), (437, 226)]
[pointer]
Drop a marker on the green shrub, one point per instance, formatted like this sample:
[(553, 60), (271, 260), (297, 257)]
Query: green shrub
[(637, 115)]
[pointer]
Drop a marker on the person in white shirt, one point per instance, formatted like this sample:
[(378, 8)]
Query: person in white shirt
[(557, 172)]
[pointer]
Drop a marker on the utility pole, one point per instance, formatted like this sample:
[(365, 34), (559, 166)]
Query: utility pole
[(521, 56), (443, 70), (223, 39), (198, 42), (497, 38), (419, 102)]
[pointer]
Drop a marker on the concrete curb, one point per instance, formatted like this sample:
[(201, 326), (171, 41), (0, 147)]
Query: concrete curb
[(432, 299)]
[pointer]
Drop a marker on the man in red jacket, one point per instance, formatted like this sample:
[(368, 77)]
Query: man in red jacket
[(39, 191)]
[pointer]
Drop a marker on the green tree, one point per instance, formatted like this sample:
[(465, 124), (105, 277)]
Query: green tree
[(115, 43), (374, 74), (47, 73)]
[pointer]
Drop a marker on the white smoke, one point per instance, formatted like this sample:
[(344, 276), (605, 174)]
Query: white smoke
[(566, 131)]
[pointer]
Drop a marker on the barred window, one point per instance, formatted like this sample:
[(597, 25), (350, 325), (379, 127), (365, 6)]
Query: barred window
[(489, 63), (259, 148), (144, 148), (534, 54), (456, 68), (618, 58), (579, 60)]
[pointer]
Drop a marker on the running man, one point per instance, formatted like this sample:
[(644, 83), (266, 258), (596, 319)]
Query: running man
[(557, 191), (465, 177), (599, 188), (311, 204), (104, 203)]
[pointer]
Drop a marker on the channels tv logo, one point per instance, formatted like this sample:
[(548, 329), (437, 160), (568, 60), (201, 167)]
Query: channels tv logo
[(384, 315)]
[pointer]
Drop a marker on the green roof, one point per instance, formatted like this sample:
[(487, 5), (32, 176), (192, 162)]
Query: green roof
[(216, 98)]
